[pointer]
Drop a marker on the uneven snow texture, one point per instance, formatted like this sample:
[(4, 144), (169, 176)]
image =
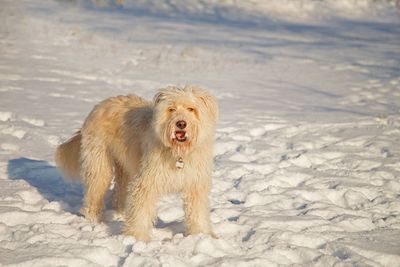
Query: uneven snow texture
[(307, 155)]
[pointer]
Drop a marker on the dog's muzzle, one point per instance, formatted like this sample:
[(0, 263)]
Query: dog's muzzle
[(180, 134)]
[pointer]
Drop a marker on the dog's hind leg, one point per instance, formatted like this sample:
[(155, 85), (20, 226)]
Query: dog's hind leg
[(96, 170), (120, 189)]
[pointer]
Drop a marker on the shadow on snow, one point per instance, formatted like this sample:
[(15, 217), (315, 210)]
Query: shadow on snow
[(52, 186), (48, 181)]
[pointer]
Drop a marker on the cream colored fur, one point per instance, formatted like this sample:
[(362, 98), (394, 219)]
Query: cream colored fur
[(135, 140)]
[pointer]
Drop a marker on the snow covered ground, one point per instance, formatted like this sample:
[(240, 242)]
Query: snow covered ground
[(307, 157)]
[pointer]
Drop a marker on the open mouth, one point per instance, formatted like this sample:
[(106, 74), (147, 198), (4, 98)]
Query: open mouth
[(180, 136)]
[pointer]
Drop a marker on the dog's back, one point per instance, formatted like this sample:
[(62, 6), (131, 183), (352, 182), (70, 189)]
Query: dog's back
[(113, 123)]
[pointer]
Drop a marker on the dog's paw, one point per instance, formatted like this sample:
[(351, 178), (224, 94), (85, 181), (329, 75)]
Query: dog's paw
[(93, 217), (138, 235), (195, 231)]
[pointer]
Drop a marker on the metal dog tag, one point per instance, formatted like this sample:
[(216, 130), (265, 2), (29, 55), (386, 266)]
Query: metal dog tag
[(179, 163)]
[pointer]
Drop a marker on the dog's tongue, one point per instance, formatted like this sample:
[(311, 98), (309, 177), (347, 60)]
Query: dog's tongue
[(180, 135)]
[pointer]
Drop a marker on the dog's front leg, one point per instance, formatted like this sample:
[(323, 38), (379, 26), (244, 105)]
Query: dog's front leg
[(141, 208), (196, 207)]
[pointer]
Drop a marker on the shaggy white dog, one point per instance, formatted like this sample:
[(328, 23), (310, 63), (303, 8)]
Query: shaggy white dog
[(152, 149)]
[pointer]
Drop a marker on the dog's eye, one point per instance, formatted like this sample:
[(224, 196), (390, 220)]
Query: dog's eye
[(171, 109), (190, 109)]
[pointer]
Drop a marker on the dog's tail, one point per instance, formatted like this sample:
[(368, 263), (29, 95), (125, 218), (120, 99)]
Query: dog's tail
[(67, 156)]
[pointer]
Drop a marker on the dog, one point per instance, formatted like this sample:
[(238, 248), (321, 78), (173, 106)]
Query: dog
[(152, 148)]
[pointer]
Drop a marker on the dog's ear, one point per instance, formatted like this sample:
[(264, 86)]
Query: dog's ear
[(208, 101), (165, 93), (160, 95)]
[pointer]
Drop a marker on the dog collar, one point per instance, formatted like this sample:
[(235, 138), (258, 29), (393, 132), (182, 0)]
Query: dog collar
[(179, 163)]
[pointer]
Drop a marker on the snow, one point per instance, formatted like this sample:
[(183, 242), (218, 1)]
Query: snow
[(307, 148)]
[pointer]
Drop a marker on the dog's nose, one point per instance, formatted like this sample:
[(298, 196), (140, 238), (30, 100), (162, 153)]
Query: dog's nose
[(181, 124)]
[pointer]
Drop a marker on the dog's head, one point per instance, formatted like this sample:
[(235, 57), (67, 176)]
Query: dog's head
[(184, 117)]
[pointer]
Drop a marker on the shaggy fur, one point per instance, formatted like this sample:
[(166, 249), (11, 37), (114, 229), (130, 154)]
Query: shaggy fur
[(144, 146)]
